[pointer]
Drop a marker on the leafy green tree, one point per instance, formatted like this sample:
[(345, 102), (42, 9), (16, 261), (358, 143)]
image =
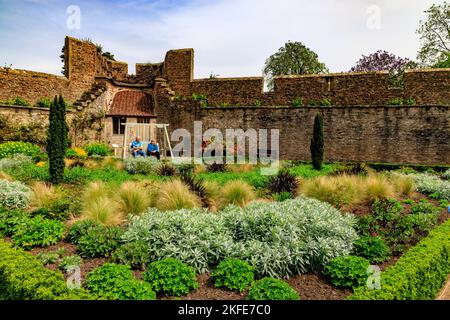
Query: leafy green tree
[(443, 64), (57, 139), (435, 35), (293, 59), (317, 143)]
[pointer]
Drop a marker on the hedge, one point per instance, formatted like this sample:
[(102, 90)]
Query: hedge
[(418, 275), (23, 277)]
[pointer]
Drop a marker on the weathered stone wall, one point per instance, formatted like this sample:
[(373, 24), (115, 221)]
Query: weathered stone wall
[(416, 135), (148, 72), (178, 69)]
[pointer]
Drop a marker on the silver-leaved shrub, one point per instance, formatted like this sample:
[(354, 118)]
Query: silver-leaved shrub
[(141, 165), (14, 194), (279, 239), (432, 185), (15, 162)]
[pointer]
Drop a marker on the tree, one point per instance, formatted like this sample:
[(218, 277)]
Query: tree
[(435, 35), (57, 139), (317, 143), (443, 64), (382, 60), (292, 59)]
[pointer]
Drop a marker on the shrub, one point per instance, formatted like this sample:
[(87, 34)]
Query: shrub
[(97, 149), (70, 262), (271, 289), (76, 153), (233, 274), (317, 144), (14, 194), (446, 175), (136, 254), (237, 193), (11, 148), (386, 209), (43, 103), (116, 282), (418, 275), (372, 248), (216, 167), (140, 165), (175, 195), (396, 102), (49, 201), (432, 185), (297, 102), (15, 162), (347, 271), (10, 219), (424, 208), (171, 277), (79, 229), (23, 277), (278, 238), (38, 231), (326, 102), (283, 196), (132, 199), (48, 257), (284, 181), (99, 241)]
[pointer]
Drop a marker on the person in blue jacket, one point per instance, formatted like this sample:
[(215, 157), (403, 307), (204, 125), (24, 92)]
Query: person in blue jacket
[(153, 150), (137, 148)]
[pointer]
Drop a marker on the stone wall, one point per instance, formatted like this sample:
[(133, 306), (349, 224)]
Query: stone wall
[(415, 135)]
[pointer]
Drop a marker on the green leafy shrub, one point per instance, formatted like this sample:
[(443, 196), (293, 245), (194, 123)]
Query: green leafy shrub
[(233, 274), (11, 148), (201, 98), (171, 277), (297, 102), (97, 149), (372, 248), (116, 282), (347, 271), (424, 208), (14, 194), (386, 209), (15, 162), (140, 165), (38, 231), (43, 103), (48, 257), (70, 262), (270, 236), (136, 254), (10, 219), (282, 196), (23, 277), (326, 102), (79, 229), (284, 181), (271, 289), (17, 101), (418, 275), (99, 241)]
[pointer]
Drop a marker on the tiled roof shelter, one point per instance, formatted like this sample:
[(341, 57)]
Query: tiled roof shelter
[(132, 103)]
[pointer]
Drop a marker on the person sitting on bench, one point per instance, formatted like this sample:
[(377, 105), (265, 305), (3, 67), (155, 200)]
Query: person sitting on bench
[(153, 150), (137, 148)]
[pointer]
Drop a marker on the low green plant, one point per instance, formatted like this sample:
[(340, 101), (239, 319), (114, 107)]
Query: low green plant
[(11, 148), (99, 241), (424, 208), (297, 102), (15, 162), (14, 194), (432, 185), (257, 103), (372, 248), (48, 257), (136, 254), (408, 201), (140, 165), (325, 102), (10, 219), (68, 263), (79, 229), (386, 209), (395, 102), (39, 232), (171, 277), (43, 103), (97, 149), (116, 282), (410, 102), (418, 275), (17, 101), (233, 274), (271, 289), (282, 196), (347, 271), (201, 98)]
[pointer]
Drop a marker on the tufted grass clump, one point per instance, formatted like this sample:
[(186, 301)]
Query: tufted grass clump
[(132, 199), (237, 193), (175, 195)]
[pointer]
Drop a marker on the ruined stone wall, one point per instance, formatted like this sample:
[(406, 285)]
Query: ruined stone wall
[(148, 72), (416, 135)]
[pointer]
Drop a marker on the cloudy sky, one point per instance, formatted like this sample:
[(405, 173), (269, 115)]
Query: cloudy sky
[(230, 37)]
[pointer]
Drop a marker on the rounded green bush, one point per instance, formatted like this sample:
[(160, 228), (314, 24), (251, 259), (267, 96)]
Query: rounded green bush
[(347, 271), (99, 241), (79, 229), (38, 231), (372, 248), (171, 277), (233, 274), (116, 282), (272, 289), (97, 149), (12, 148)]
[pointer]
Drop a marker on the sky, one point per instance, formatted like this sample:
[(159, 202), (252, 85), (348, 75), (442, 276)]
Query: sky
[(230, 37)]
